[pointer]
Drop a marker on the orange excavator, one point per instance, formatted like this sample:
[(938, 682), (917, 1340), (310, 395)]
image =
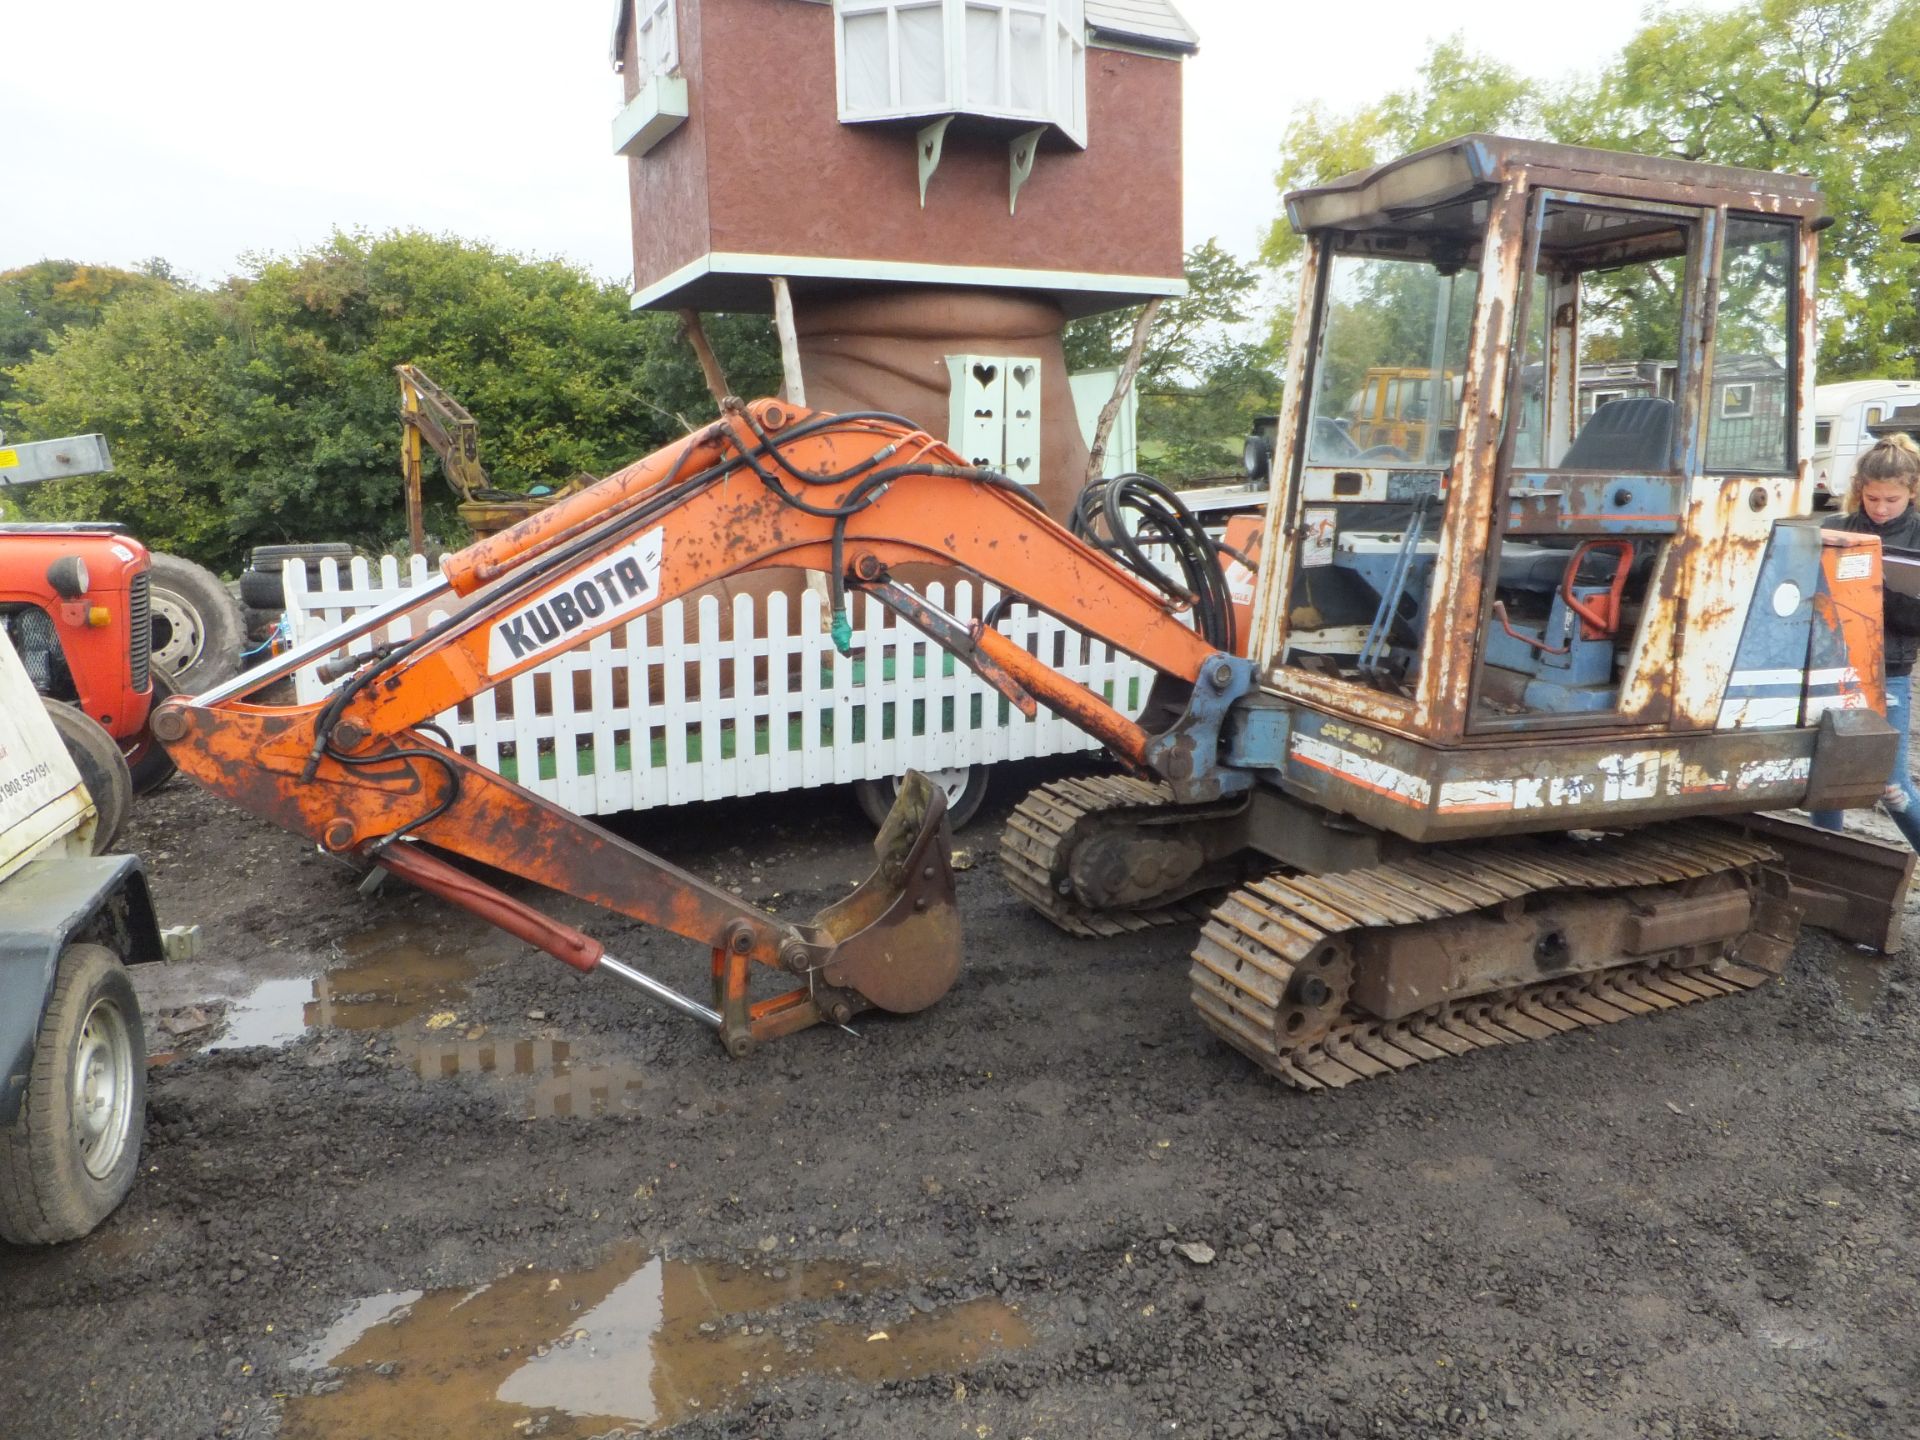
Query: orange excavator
[(1486, 769)]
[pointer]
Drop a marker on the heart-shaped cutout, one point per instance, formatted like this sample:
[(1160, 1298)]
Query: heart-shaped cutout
[(1024, 462), (1023, 373), (986, 374), (1023, 414), (983, 414)]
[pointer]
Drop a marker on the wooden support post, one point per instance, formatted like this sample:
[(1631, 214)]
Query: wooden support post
[(1097, 455), (796, 389), (696, 336), (789, 341)]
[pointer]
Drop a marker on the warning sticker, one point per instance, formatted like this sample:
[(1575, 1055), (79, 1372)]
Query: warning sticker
[(1319, 525)]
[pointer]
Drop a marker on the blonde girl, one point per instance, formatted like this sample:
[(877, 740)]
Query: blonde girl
[(1884, 500)]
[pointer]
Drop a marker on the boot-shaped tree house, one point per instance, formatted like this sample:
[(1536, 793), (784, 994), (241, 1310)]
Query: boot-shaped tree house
[(942, 184)]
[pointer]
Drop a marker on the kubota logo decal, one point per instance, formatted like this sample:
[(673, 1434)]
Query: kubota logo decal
[(623, 584)]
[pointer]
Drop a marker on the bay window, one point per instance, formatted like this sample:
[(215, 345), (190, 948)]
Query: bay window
[(1022, 60)]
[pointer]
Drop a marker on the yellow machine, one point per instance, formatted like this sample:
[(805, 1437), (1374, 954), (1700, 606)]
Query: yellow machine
[(428, 413), (1395, 404)]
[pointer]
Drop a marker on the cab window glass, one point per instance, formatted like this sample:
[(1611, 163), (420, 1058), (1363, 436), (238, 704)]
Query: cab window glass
[(1632, 279), (1747, 409), (1393, 351), (1530, 412)]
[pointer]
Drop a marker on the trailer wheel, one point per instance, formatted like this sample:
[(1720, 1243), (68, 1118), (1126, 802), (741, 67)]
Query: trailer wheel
[(965, 787), (71, 1155), (101, 765), (197, 630), (148, 763)]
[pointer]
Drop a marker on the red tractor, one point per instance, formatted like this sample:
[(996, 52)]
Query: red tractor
[(95, 619), (106, 629)]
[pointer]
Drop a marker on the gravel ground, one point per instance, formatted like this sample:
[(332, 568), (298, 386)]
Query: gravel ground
[(465, 1192)]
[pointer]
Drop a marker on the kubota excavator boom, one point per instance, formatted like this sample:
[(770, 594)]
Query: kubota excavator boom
[(364, 773)]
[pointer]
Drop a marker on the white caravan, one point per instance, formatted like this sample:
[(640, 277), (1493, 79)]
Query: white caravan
[(1841, 415)]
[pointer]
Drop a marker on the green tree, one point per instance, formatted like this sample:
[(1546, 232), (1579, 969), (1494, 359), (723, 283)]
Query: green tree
[(1829, 88), (265, 410), (1200, 382), (39, 301), (1454, 93)]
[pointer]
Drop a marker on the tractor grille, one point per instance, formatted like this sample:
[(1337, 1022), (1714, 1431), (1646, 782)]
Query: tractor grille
[(140, 629), (38, 646)]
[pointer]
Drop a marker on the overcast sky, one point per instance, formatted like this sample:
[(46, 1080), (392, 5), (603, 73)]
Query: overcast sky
[(204, 130)]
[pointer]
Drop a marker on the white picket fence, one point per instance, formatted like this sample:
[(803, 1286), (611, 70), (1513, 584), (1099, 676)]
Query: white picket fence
[(764, 705)]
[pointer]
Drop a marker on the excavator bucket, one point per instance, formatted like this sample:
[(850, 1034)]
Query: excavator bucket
[(896, 939)]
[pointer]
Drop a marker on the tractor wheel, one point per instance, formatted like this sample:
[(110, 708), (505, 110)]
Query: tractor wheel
[(965, 787), (198, 633), (147, 759), (71, 1154), (102, 768)]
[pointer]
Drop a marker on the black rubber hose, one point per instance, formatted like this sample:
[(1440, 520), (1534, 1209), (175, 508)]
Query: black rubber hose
[(1121, 515)]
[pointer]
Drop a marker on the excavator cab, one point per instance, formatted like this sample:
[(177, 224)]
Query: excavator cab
[(1528, 652), (1544, 555)]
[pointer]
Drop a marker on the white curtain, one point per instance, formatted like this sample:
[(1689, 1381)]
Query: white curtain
[(656, 41), (923, 56), (983, 56), (1020, 58), (868, 78)]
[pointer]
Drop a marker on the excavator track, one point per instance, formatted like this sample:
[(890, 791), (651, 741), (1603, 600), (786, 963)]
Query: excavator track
[(1273, 969), (1042, 831)]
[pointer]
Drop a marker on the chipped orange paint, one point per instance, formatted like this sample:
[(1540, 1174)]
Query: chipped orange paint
[(736, 524), (1850, 604)]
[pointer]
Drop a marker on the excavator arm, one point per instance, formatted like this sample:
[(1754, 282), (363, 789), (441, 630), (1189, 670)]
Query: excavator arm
[(428, 412), (365, 774)]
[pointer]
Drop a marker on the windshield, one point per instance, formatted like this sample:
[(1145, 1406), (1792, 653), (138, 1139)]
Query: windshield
[(1393, 351)]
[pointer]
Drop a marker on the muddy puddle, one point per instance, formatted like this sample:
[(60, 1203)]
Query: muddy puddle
[(386, 978), (391, 978), (636, 1341), (1861, 979)]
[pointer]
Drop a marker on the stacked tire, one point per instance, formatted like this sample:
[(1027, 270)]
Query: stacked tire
[(263, 587)]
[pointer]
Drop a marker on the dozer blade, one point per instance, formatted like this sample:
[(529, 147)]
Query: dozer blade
[(897, 937), (1848, 884)]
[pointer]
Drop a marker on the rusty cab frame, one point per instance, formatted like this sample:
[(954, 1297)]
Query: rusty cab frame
[(1540, 620)]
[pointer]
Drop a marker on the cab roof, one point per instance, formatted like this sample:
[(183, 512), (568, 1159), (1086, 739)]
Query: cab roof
[(1443, 174)]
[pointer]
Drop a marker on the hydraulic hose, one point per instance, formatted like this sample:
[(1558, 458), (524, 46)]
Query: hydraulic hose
[(1122, 515)]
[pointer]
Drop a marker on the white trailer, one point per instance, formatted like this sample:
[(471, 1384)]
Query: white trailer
[(72, 1051)]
